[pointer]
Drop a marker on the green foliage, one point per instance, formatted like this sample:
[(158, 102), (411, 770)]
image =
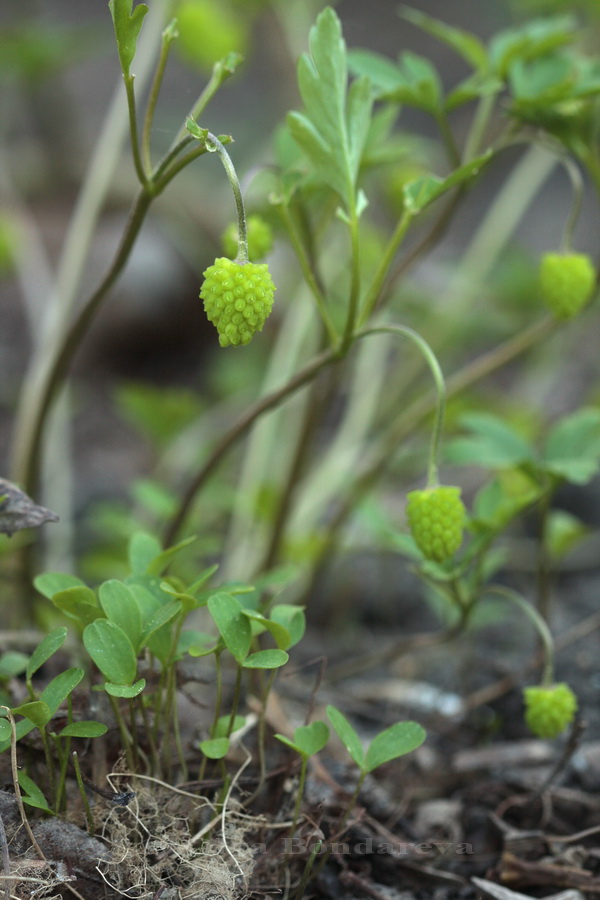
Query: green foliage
[(333, 128), (393, 742), (308, 739), (127, 23)]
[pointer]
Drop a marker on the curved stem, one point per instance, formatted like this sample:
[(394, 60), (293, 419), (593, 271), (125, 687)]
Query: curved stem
[(167, 37), (354, 282), (135, 147), (440, 388), (538, 623), (213, 144), (384, 267), (41, 389)]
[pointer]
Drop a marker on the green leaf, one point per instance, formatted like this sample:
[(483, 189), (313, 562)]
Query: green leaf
[(143, 549), (119, 604), (160, 563), (292, 618), (492, 444), (196, 643), (111, 650), (127, 25), (215, 748), (125, 690), (37, 712), (308, 739), (266, 659), (13, 663), (526, 42), (420, 192), (333, 129), (563, 531), (35, 796), (159, 413), (5, 730), (84, 729), (159, 619), (78, 603), (463, 42), (44, 650), (50, 583), (395, 741), (233, 626), (279, 632), (572, 450), (57, 690), (348, 737), (223, 729)]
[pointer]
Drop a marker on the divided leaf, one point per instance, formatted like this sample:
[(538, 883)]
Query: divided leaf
[(333, 129), (127, 28), (347, 736)]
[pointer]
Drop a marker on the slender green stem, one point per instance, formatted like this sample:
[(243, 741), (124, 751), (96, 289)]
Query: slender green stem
[(214, 144), (342, 823), (86, 804), (383, 268), (538, 623), (299, 796), (301, 890), (167, 37), (478, 128), (218, 694), (354, 282), (309, 275), (578, 190), (126, 737), (236, 699), (149, 732), (133, 130), (440, 389), (448, 139)]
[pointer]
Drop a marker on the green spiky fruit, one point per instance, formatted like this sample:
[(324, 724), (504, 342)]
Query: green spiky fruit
[(548, 710), (238, 297), (260, 238), (567, 282), (436, 518)]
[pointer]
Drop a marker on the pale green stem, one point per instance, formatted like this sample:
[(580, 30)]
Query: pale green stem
[(354, 283), (440, 388), (578, 190), (135, 146), (214, 144), (167, 38), (476, 134), (86, 804), (384, 267), (538, 623)]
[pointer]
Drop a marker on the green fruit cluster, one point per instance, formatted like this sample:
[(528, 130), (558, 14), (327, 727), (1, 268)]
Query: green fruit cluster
[(567, 282), (260, 238), (238, 298), (548, 710), (436, 518)]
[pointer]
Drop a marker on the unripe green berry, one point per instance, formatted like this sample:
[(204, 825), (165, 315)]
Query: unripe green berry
[(436, 518), (548, 710), (238, 297), (567, 282), (260, 238)]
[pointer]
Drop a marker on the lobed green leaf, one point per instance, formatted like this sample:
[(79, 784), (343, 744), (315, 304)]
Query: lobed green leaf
[(127, 24)]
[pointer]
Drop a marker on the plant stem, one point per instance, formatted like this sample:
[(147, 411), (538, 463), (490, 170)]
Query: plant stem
[(86, 804), (299, 796), (383, 268), (354, 282), (440, 388), (538, 623), (214, 144), (167, 37), (135, 147)]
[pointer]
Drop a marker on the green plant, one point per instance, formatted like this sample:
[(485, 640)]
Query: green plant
[(332, 404)]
